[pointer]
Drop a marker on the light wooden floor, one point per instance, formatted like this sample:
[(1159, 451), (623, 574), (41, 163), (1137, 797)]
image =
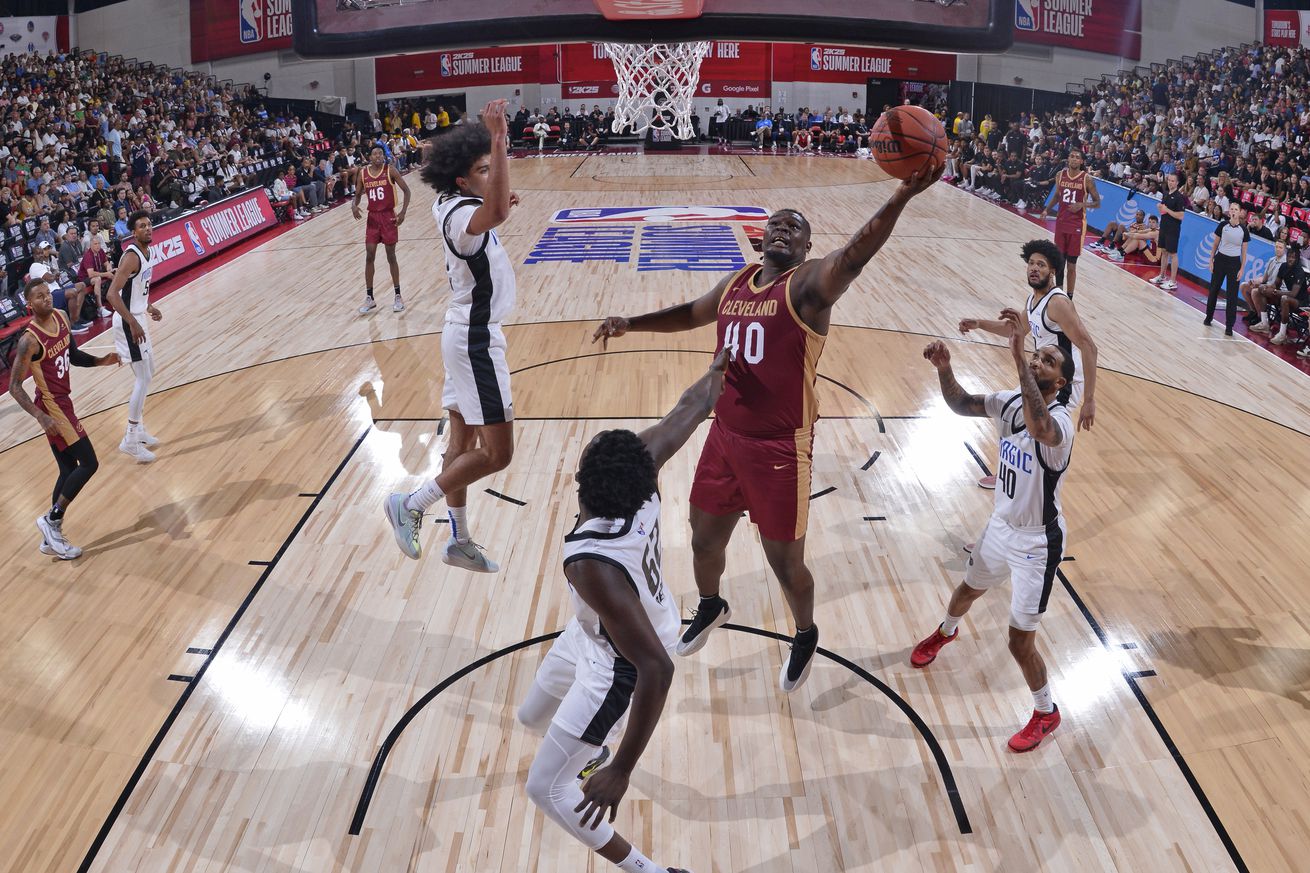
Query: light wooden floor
[(265, 397)]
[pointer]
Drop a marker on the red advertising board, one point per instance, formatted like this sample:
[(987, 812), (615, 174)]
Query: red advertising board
[(184, 241), (1112, 27), (735, 88), (1286, 28), (455, 70), (858, 64), (227, 28)]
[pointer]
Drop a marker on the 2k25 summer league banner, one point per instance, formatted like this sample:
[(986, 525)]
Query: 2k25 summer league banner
[(227, 28), (179, 243), (39, 33), (1111, 27)]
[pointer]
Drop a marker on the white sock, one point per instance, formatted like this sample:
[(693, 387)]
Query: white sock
[(1042, 699), (459, 523), (1282, 332), (422, 499), (1264, 319), (636, 862), (950, 623), (133, 427)]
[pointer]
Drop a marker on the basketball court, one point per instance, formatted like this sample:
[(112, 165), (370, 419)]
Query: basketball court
[(242, 673)]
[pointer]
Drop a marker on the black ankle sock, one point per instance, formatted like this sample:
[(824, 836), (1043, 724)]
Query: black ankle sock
[(55, 513), (397, 290), (368, 292), (808, 634), (709, 600)]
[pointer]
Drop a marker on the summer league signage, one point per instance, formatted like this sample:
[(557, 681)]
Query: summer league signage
[(1111, 27)]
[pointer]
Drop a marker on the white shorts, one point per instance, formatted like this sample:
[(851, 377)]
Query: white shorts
[(1027, 557), (594, 687), (477, 376), (128, 350)]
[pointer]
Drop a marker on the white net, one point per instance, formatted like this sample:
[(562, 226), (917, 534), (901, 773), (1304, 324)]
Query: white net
[(657, 84)]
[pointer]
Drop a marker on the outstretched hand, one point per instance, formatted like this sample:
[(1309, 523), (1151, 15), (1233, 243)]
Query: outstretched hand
[(923, 178), (614, 326), (938, 355), (493, 116), (1017, 322)]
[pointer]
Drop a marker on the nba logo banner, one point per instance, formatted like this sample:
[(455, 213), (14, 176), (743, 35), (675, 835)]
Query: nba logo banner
[(816, 58), (445, 64), (252, 20), (1024, 16)]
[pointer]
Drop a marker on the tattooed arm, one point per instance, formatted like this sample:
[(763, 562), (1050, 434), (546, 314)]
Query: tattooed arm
[(960, 401)]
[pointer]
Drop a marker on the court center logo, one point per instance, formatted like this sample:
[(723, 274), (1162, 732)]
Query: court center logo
[(252, 21), (1025, 16), (1204, 251)]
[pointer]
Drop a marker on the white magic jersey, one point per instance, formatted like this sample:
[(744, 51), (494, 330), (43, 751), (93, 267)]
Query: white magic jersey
[(136, 291), (633, 546), (1029, 476), (482, 286), (1046, 331)]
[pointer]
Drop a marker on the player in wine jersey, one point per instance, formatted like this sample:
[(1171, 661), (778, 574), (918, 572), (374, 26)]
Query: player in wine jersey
[(470, 171), (1075, 193), (378, 182), (46, 351), (129, 297), (757, 455), (615, 649), (1024, 538)]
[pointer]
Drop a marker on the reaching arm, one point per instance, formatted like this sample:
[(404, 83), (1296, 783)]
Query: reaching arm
[(664, 439), (1036, 417), (997, 327), (1062, 309), (685, 316), (79, 358), (957, 399), (495, 206), (607, 591), (823, 284)]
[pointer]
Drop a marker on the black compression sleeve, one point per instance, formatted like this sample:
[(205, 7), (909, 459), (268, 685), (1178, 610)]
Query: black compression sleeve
[(77, 357)]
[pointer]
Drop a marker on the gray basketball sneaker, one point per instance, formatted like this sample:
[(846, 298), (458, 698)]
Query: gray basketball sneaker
[(405, 524), (468, 556)]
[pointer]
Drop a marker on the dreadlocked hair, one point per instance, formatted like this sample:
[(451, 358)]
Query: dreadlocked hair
[(616, 475), (1048, 250), (452, 155)]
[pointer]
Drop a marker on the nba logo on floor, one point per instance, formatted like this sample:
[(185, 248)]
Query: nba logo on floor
[(252, 20), (1024, 16)]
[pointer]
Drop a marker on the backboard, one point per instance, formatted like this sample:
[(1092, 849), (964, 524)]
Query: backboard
[(353, 28)]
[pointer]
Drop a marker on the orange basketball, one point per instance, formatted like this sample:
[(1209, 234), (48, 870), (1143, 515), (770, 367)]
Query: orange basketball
[(907, 138)]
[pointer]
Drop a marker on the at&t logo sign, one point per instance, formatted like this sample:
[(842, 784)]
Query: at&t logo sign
[(1204, 251)]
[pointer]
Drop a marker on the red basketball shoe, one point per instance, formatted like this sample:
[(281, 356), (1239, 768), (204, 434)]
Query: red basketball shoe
[(1037, 729), (926, 651)]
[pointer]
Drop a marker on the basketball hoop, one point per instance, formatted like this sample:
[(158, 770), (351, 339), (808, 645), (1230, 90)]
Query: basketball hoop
[(657, 84)]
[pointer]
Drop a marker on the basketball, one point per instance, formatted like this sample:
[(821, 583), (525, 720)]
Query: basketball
[(907, 138)]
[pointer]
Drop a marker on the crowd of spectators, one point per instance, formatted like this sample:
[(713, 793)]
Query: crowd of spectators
[(1231, 126), (87, 139)]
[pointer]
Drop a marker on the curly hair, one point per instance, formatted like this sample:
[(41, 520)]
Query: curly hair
[(1048, 250), (453, 154), (616, 475)]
